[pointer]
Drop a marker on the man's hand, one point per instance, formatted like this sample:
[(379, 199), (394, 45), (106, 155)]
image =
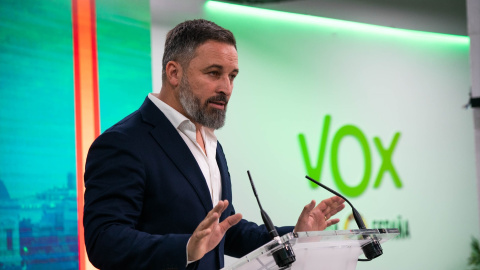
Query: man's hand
[(318, 218), (209, 232)]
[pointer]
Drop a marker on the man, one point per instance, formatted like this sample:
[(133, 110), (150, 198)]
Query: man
[(158, 192)]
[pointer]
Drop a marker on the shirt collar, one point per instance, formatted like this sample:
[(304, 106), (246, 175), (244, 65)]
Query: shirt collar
[(181, 122), (172, 115)]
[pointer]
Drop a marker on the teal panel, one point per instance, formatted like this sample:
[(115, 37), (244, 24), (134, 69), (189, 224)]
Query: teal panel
[(37, 136), (124, 63)]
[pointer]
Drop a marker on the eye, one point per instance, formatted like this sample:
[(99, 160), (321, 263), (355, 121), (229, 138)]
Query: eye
[(214, 73), (233, 76)]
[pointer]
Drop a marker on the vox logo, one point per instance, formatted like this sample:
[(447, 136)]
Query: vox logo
[(385, 153)]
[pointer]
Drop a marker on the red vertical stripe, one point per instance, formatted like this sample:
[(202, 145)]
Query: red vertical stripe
[(87, 119), (78, 134)]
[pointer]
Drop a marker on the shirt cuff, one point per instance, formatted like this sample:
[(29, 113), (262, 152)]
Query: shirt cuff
[(186, 250)]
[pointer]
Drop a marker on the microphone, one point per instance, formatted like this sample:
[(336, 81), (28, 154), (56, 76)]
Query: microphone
[(285, 256), (373, 249)]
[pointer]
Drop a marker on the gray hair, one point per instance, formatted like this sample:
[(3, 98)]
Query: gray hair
[(183, 40)]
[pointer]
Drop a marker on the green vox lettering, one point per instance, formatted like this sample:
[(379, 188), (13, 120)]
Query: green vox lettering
[(387, 164), (315, 171), (355, 132)]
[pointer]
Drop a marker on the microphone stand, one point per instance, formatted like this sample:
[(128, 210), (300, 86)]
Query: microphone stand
[(373, 249), (284, 257)]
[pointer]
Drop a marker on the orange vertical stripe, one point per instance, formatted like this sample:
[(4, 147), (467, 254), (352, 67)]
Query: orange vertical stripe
[(87, 116)]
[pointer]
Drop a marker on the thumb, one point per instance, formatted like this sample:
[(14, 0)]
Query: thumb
[(230, 221)]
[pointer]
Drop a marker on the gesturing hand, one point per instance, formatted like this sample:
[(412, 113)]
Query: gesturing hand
[(210, 232), (318, 218)]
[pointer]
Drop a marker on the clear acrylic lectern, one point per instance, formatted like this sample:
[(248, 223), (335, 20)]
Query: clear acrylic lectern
[(332, 250)]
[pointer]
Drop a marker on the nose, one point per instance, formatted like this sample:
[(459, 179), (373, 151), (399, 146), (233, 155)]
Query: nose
[(225, 86)]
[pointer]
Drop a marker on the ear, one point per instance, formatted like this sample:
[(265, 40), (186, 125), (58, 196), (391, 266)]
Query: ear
[(173, 71)]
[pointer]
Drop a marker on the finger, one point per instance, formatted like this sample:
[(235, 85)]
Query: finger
[(210, 220), (327, 211), (225, 205), (334, 211), (303, 219), (320, 212), (331, 222), (197, 236), (339, 208), (330, 206), (322, 206), (339, 204), (212, 217), (340, 200), (307, 209), (218, 208), (230, 221), (335, 200)]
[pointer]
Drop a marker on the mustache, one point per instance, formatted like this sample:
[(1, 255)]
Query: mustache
[(217, 98)]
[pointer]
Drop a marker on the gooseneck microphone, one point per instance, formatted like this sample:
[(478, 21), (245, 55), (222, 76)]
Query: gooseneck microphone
[(373, 249), (283, 257)]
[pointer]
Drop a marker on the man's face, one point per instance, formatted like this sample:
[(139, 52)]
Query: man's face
[(207, 83)]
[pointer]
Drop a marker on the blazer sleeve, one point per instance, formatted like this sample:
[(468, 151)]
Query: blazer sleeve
[(114, 190)]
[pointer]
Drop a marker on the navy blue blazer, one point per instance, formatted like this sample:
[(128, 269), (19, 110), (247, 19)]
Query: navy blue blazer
[(145, 195)]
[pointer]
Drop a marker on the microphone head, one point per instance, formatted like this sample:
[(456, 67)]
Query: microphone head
[(373, 249), (284, 257)]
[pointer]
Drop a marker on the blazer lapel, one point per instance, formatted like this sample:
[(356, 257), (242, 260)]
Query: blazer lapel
[(225, 175), (174, 146)]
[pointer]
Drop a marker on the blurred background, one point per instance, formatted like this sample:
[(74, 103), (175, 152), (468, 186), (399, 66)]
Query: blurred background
[(366, 96)]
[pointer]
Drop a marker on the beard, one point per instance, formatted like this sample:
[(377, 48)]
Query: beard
[(198, 112)]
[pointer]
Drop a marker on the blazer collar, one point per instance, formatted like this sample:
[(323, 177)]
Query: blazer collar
[(172, 143)]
